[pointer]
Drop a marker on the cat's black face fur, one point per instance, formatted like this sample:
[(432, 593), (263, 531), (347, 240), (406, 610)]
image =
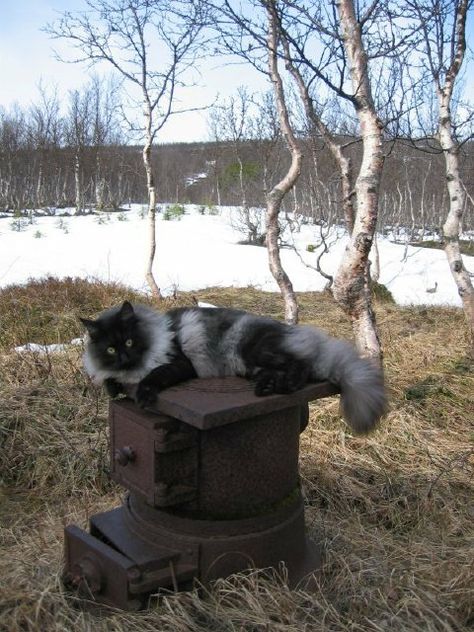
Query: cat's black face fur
[(117, 342)]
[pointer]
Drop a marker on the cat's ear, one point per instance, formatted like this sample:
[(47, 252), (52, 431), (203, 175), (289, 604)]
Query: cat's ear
[(93, 328), (126, 311)]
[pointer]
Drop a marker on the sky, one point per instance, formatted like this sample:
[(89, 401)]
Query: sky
[(27, 57)]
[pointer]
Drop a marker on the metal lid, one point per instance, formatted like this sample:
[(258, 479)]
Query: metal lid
[(211, 402)]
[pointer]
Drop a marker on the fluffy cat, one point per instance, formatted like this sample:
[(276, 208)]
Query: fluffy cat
[(134, 344)]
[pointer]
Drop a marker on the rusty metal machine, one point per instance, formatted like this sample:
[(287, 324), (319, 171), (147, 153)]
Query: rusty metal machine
[(212, 474)]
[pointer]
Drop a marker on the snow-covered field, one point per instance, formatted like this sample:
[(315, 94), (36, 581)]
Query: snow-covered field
[(200, 251)]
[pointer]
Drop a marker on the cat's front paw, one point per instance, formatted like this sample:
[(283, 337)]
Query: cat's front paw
[(113, 388), (146, 395)]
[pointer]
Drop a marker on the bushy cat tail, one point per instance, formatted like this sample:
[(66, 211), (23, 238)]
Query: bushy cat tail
[(363, 394)]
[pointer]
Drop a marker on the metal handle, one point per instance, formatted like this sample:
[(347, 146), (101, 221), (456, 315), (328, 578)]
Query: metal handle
[(124, 456)]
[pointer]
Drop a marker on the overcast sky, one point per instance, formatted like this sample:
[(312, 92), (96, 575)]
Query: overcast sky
[(26, 57)]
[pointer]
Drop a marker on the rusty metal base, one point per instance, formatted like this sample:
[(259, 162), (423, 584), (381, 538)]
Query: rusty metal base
[(135, 550)]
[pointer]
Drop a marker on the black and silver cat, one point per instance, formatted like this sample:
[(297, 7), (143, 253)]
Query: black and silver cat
[(134, 344)]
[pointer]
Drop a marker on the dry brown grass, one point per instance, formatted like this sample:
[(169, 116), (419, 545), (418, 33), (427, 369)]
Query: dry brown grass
[(395, 510)]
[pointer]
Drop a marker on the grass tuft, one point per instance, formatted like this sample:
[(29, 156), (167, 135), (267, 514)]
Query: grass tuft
[(394, 510)]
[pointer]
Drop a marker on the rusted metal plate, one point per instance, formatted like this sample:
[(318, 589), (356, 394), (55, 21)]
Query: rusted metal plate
[(249, 466), (153, 455), (230, 546), (239, 469), (212, 402), (98, 571), (127, 555), (132, 434)]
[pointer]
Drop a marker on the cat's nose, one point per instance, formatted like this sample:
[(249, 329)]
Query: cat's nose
[(124, 361)]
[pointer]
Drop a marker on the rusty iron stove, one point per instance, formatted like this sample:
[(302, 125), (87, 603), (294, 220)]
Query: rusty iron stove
[(212, 472)]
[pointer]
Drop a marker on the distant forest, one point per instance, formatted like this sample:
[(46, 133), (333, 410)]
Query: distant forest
[(413, 191), (42, 168)]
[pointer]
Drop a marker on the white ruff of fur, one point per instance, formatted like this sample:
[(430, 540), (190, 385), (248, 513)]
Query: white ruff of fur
[(193, 339), (232, 363), (157, 327)]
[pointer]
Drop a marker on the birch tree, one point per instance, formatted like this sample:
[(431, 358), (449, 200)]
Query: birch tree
[(44, 132), (443, 27), (78, 137), (351, 285), (252, 32), (153, 47), (329, 47), (274, 197)]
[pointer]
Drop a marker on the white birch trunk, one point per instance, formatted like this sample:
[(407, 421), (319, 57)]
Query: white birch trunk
[(343, 162), (351, 284), (39, 187), (274, 197), (452, 224), (78, 184), (99, 183), (155, 290)]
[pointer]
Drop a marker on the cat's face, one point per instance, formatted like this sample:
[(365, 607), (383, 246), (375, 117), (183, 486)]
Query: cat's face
[(117, 342)]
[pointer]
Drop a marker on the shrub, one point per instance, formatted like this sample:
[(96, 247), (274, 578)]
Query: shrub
[(47, 310), (19, 225), (175, 211), (381, 292)]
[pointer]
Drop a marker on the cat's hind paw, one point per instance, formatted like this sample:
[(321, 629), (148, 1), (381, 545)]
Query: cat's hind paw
[(281, 382), (265, 383)]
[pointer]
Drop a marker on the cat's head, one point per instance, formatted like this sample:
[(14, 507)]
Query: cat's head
[(116, 340)]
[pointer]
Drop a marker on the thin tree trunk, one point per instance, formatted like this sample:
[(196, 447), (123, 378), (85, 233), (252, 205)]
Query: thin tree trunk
[(39, 186), (351, 284), (78, 184), (452, 225), (274, 198), (456, 194), (155, 290), (99, 182), (343, 162)]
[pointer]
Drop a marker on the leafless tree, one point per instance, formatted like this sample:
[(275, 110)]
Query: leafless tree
[(44, 130), (443, 27), (351, 285), (232, 121), (317, 126), (152, 46), (256, 38), (337, 47), (78, 136), (274, 197), (338, 62), (106, 130)]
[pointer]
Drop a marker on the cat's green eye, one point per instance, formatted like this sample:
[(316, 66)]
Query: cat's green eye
[(129, 342), (111, 350)]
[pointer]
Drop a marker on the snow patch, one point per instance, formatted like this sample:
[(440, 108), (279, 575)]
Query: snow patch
[(202, 251)]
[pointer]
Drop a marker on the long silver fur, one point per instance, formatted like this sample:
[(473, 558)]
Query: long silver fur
[(363, 396)]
